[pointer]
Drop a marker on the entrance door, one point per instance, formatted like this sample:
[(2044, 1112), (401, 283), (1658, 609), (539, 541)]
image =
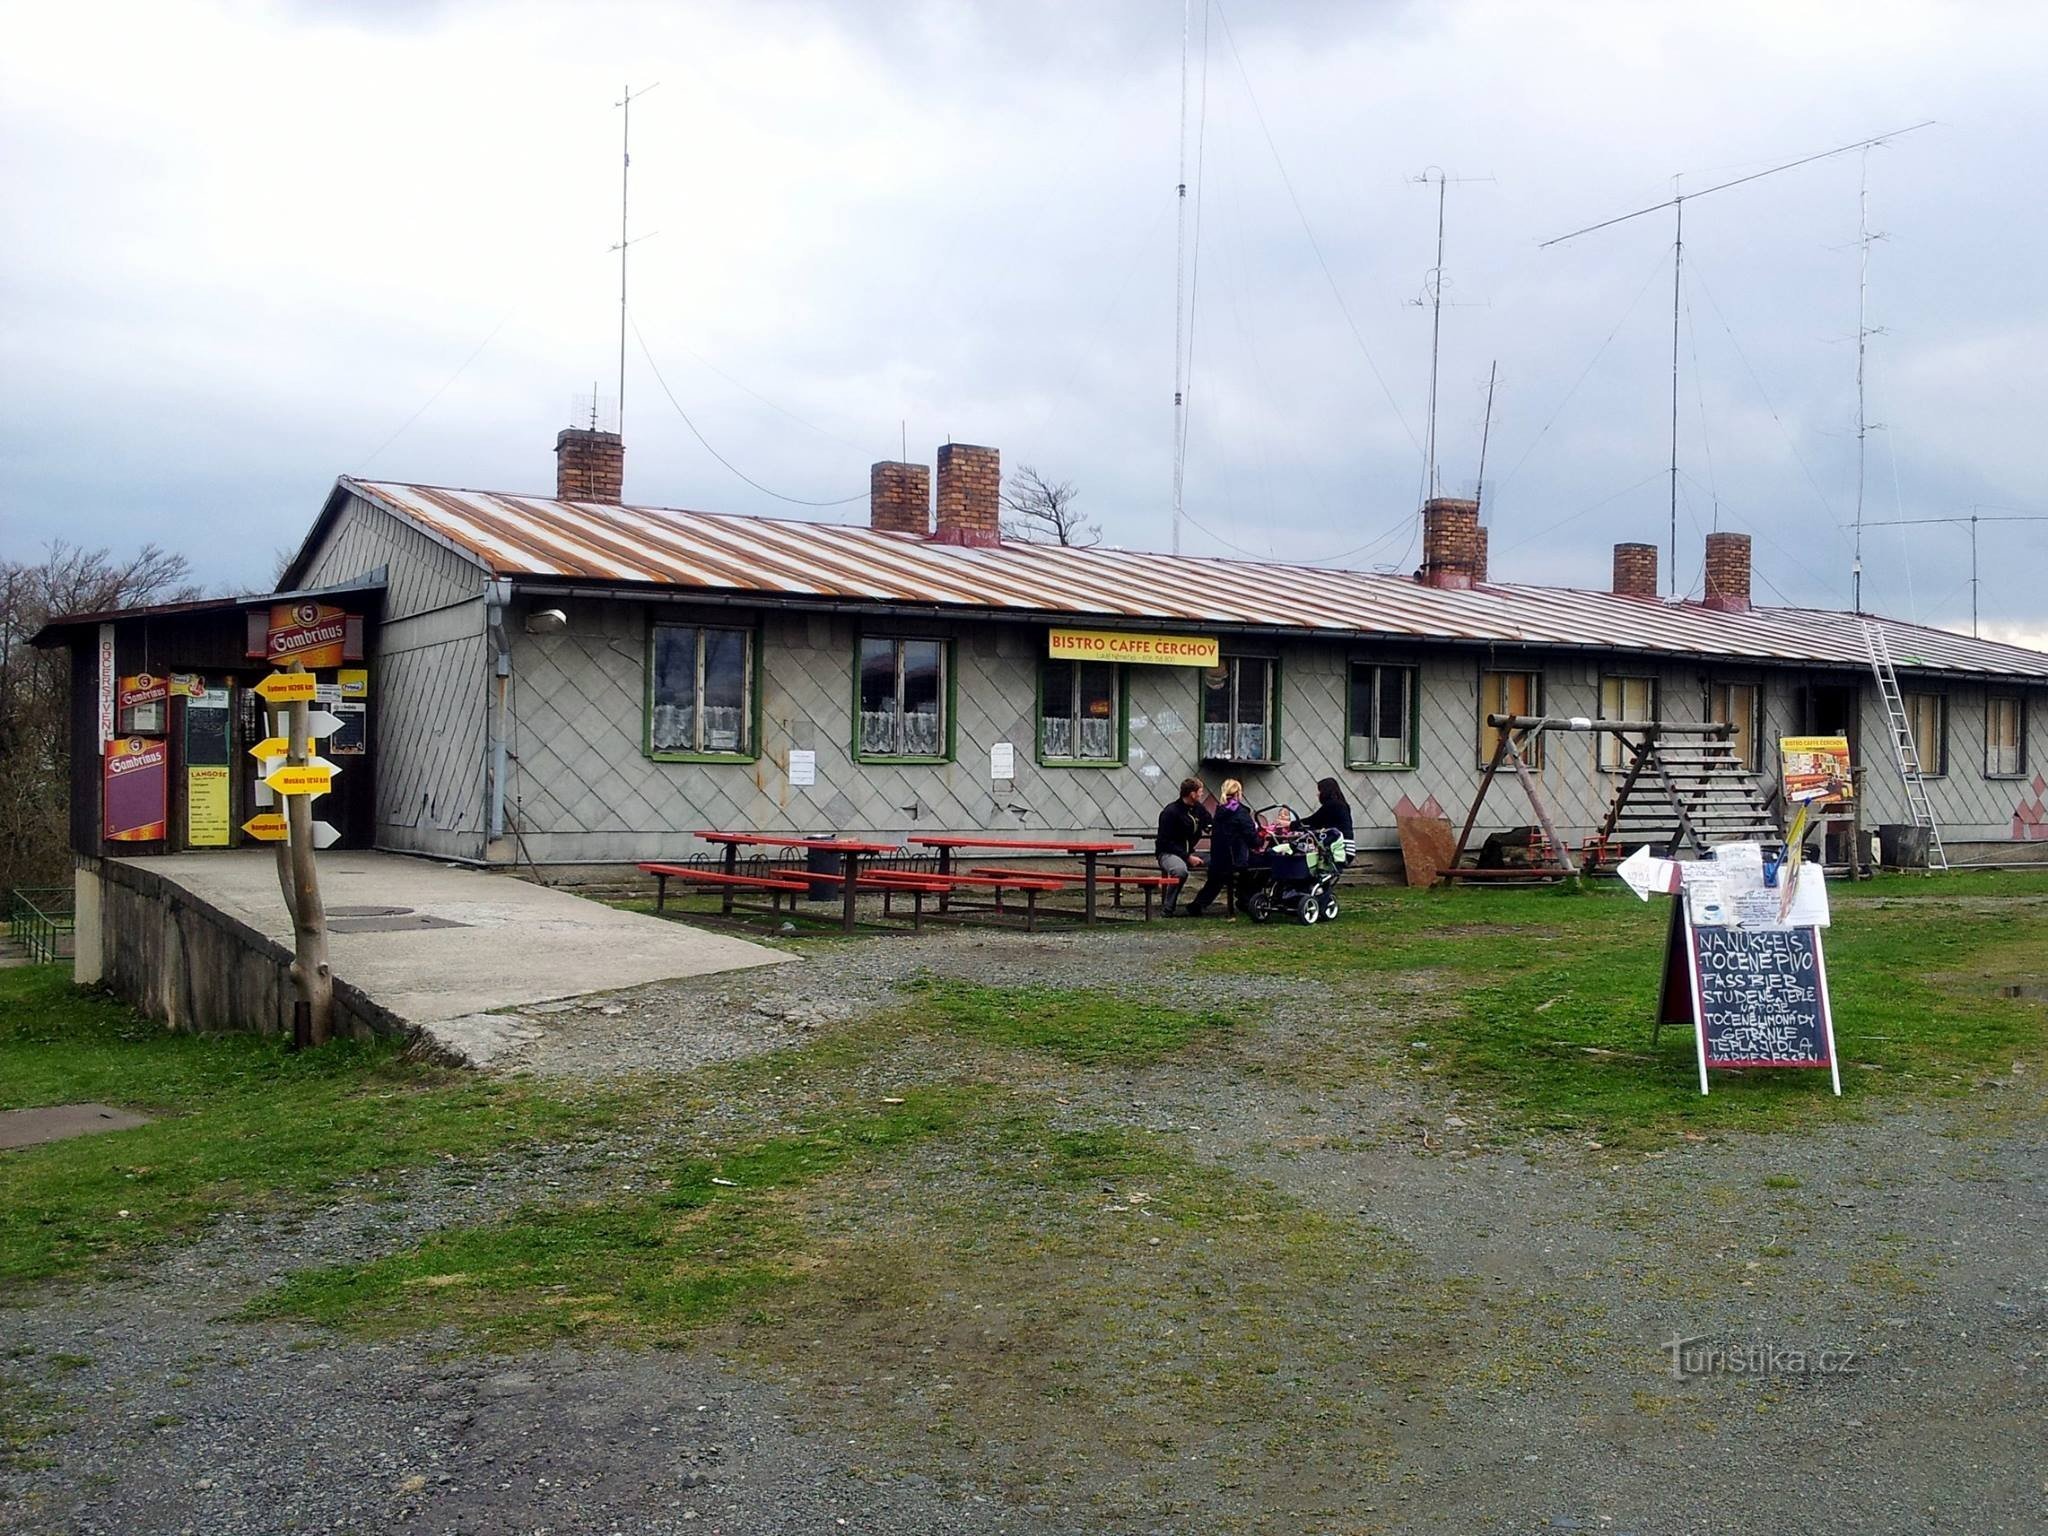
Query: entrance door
[(1834, 709)]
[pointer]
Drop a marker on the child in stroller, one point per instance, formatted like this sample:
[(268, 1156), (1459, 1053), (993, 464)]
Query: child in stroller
[(1295, 871)]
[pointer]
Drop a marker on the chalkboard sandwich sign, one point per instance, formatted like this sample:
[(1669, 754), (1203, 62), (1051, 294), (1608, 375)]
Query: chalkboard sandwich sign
[(1746, 968)]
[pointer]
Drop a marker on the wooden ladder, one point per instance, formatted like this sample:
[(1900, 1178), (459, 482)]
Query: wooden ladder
[(1703, 795)]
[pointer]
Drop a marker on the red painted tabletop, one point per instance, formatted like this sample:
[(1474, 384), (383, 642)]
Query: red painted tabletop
[(824, 844)]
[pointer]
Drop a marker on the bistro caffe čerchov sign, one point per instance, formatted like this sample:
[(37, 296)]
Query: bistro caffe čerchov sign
[(1126, 646)]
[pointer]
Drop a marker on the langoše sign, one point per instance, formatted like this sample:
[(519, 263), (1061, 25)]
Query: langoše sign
[(1127, 646)]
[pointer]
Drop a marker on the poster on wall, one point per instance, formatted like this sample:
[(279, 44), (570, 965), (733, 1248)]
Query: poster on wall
[(351, 738), (141, 702), (354, 682), (1816, 770), (135, 784), (207, 811)]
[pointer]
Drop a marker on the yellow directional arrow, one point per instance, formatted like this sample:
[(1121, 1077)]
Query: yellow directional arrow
[(306, 779), (266, 829), (270, 746), (289, 687)]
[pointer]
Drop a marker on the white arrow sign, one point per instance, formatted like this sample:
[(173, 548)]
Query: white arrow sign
[(1645, 873), (321, 722), (324, 835)]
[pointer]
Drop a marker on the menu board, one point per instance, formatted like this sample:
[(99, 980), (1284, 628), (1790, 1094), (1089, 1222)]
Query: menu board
[(1755, 996), (1762, 997)]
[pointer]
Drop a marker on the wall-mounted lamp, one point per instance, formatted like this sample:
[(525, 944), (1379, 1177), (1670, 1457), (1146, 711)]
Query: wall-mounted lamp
[(546, 621)]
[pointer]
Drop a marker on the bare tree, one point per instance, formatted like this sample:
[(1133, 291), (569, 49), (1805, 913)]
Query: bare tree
[(1043, 511), (35, 688)]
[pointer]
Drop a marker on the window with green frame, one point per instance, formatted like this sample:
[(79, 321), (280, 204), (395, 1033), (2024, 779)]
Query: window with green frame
[(1080, 713), (1241, 711), (700, 693), (903, 696), (1380, 730)]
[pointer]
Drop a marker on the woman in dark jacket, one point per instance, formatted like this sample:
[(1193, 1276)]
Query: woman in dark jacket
[(1332, 811), (1232, 842)]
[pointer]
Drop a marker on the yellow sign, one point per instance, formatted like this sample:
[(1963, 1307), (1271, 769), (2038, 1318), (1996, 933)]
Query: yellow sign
[(306, 779), (355, 682), (1816, 769), (206, 805), (289, 687), (268, 828), (270, 746), (1121, 646)]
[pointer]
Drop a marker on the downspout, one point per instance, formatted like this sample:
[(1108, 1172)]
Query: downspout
[(497, 595)]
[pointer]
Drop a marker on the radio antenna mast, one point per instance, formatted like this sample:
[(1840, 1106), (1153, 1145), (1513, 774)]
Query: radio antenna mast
[(1485, 432), (1435, 300), (625, 105), (1676, 203), (1180, 267)]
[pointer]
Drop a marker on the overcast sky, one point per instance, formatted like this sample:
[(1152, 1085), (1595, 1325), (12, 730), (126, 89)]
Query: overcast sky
[(250, 247)]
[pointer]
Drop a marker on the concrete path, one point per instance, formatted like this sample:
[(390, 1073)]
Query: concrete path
[(443, 947)]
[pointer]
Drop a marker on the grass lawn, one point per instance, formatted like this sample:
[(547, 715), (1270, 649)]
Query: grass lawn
[(244, 1124), (1541, 998), (1534, 1002)]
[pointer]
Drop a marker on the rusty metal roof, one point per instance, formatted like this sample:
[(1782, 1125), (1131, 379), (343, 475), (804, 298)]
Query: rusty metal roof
[(531, 536)]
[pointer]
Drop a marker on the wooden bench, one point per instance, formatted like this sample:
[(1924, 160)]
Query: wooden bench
[(925, 882), (776, 885), (1149, 884)]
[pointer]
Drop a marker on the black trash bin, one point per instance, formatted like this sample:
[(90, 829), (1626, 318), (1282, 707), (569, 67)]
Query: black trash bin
[(822, 861)]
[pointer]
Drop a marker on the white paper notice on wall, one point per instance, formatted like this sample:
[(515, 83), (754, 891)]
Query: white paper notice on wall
[(1002, 761), (803, 769)]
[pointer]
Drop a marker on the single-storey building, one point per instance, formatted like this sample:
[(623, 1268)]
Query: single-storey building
[(575, 681)]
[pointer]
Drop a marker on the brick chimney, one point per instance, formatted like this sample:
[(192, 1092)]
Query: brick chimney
[(970, 495), (1450, 541), (589, 465), (900, 498), (1635, 570), (1728, 572), (1479, 556)]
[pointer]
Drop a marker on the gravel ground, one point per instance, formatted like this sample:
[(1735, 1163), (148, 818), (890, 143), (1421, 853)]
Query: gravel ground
[(1538, 1397)]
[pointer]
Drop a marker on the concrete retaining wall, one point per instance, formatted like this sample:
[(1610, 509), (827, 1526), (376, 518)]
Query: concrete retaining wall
[(173, 957)]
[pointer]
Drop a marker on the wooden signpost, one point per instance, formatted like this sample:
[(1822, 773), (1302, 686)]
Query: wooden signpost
[(297, 779)]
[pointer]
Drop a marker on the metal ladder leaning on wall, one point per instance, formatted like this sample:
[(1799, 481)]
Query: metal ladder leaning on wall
[(1903, 750)]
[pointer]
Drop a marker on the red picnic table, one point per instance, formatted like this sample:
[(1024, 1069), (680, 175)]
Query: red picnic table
[(1087, 852), (850, 850)]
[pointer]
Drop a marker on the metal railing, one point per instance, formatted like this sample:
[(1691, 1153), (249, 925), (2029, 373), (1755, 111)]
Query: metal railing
[(40, 918)]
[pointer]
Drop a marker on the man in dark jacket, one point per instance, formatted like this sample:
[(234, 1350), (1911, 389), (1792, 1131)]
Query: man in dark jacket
[(1181, 825)]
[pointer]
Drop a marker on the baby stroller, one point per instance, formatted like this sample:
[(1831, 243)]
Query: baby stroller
[(1296, 873)]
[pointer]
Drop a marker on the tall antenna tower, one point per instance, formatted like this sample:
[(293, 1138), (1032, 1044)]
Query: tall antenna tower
[(1180, 267), (1676, 203), (625, 106), (1434, 297), (1864, 332)]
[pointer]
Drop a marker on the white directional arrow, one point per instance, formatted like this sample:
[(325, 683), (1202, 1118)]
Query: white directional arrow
[(324, 836), (321, 722), (1645, 872)]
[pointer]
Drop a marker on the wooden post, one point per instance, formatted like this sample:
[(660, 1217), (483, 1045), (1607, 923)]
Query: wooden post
[(311, 974), (1500, 751)]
